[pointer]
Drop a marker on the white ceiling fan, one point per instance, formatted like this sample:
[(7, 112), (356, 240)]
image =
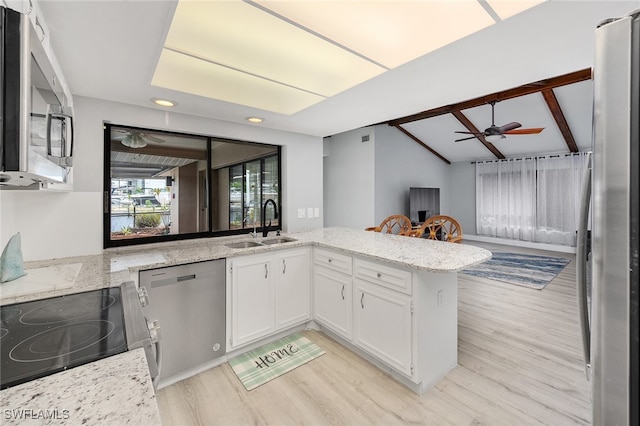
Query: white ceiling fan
[(133, 139)]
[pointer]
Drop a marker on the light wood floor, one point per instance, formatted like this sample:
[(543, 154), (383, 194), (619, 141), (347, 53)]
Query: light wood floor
[(519, 363)]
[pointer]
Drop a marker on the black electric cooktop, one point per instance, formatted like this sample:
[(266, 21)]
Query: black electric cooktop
[(45, 336)]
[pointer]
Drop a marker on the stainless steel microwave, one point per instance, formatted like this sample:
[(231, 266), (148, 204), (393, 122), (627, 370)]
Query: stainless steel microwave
[(36, 123)]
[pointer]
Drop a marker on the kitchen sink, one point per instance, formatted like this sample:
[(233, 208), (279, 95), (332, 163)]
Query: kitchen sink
[(243, 244), (278, 240)]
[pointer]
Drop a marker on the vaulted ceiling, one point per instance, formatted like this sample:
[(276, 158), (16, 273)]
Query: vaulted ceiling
[(109, 50), (435, 132)]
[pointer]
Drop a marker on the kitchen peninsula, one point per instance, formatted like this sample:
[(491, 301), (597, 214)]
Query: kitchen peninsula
[(414, 280)]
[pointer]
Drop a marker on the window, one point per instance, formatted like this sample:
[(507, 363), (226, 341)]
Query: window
[(162, 186), (251, 184), (505, 199), (530, 199)]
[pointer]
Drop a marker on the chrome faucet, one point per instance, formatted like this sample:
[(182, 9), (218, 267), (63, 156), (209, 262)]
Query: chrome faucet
[(265, 229)]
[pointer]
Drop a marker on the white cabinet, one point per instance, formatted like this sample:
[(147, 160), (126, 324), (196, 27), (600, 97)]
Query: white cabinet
[(251, 293), (367, 303), (383, 313), (332, 296), (293, 276), (403, 321), (333, 291), (383, 324), (266, 293)]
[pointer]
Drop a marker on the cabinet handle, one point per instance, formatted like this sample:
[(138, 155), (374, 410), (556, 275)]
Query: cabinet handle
[(362, 301), (266, 271), (379, 274), (342, 292), (284, 266)]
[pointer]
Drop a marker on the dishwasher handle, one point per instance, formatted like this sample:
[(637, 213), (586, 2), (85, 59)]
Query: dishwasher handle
[(155, 336), (186, 277)]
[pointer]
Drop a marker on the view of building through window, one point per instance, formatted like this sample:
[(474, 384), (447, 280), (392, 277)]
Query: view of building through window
[(250, 186), (139, 202)]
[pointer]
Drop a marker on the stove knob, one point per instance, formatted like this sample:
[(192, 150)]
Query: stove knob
[(143, 295), (154, 330)]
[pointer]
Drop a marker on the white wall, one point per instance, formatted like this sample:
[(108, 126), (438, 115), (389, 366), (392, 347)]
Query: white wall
[(70, 224), (400, 164), (463, 195), (349, 180), (364, 182)]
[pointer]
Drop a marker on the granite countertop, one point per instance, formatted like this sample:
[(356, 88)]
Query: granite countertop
[(118, 389), (115, 266), (114, 390), (407, 252)]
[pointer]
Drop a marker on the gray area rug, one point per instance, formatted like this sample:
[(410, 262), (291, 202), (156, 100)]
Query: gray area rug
[(525, 270)]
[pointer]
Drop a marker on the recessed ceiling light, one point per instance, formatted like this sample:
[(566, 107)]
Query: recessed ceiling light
[(255, 119), (164, 102)]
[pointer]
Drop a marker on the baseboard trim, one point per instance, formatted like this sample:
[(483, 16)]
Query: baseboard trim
[(518, 243)]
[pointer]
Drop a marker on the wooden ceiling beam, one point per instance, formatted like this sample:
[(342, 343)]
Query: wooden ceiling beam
[(469, 125), (558, 116), (416, 139), (527, 89)]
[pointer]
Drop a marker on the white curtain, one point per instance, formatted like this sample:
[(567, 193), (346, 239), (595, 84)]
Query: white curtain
[(558, 190), (505, 199), (530, 199)]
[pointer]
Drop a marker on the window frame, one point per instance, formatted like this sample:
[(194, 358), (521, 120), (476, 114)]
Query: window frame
[(108, 242)]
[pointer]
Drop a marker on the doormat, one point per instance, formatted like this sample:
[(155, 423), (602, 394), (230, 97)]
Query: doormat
[(269, 361), (525, 270)]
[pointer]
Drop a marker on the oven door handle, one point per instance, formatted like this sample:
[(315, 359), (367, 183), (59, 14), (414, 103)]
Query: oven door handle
[(65, 115)]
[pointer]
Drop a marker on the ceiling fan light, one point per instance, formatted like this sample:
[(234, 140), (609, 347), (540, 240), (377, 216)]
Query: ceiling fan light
[(134, 140), (494, 138)]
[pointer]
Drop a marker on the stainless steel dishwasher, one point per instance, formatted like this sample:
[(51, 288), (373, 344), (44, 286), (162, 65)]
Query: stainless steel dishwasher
[(189, 303)]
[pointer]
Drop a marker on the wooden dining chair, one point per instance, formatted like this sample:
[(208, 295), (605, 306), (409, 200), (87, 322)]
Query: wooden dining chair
[(394, 224), (440, 227)]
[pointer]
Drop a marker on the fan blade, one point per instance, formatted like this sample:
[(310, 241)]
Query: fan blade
[(152, 138), (531, 131), (119, 134), (469, 133), (465, 139), (508, 126)]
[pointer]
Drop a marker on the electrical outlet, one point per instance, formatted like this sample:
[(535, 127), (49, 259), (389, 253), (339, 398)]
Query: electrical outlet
[(301, 213), (439, 297), (316, 212), (310, 212)]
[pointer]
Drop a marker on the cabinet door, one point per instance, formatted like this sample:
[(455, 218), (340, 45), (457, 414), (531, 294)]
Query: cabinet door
[(252, 299), (292, 287), (332, 300), (383, 325)]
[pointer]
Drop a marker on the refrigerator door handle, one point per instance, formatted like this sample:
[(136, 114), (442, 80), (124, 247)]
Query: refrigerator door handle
[(581, 267)]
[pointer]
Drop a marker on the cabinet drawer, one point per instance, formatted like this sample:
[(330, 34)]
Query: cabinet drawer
[(386, 276), (332, 260)]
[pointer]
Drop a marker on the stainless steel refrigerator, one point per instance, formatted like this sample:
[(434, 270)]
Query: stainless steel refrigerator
[(608, 291)]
